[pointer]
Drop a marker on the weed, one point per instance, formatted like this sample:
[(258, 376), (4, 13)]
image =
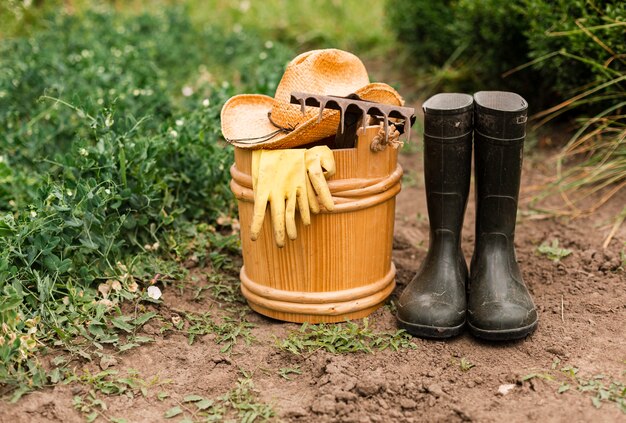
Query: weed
[(228, 332), (465, 364), (284, 372), (538, 375), (599, 387), (343, 338), (553, 251), (108, 383), (240, 401)]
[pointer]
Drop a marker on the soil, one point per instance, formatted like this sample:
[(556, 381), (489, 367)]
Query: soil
[(582, 308)]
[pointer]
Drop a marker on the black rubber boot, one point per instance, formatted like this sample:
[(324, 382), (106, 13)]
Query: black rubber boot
[(499, 304), (433, 305)]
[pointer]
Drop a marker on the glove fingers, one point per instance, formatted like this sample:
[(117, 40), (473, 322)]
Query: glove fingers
[(256, 163), (314, 205), (328, 163), (303, 206), (260, 205), (321, 187), (290, 217), (278, 220)]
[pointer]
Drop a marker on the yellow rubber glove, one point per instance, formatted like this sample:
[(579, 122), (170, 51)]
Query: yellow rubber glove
[(279, 176), (320, 165)]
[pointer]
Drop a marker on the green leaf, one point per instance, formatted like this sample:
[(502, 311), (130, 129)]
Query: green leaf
[(121, 322), (596, 402), (192, 398), (563, 388), (172, 412), (10, 303), (144, 318), (204, 404), (127, 347)]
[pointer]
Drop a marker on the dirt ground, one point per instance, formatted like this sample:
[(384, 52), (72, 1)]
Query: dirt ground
[(582, 311)]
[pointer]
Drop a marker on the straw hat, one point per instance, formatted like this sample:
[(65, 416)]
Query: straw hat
[(255, 121)]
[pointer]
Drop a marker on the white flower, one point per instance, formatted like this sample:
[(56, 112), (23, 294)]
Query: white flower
[(107, 191), (83, 152), (269, 44), (154, 292), (206, 102), (33, 213), (187, 91), (180, 122), (173, 133), (262, 55), (109, 121)]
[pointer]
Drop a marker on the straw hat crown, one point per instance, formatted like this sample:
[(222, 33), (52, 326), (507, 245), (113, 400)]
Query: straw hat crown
[(258, 121)]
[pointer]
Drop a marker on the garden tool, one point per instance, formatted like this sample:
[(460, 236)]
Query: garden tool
[(433, 304), (354, 113), (286, 179), (499, 304)]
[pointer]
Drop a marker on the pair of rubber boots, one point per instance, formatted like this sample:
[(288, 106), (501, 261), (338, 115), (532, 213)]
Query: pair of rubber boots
[(491, 299)]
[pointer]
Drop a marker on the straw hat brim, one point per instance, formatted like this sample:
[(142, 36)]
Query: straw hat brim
[(245, 122)]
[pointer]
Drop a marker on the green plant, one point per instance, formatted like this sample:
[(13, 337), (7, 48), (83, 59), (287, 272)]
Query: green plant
[(590, 35), (464, 43), (108, 383), (112, 174), (424, 27), (228, 331), (240, 401), (583, 39), (465, 364), (343, 338), (600, 389), (553, 251), (284, 372)]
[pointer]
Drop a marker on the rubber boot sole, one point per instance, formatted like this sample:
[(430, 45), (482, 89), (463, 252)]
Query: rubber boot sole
[(434, 332), (502, 335)]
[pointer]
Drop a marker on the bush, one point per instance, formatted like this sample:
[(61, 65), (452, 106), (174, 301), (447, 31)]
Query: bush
[(425, 28), (576, 43), (493, 37), (111, 167), (474, 41)]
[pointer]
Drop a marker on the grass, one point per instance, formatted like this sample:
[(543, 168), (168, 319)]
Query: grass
[(596, 154), (303, 24), (343, 338)]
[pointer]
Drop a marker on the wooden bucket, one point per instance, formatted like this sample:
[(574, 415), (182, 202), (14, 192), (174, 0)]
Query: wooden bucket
[(340, 266)]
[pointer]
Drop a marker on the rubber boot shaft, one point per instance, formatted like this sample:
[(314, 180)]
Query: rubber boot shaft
[(499, 304), (434, 303)]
